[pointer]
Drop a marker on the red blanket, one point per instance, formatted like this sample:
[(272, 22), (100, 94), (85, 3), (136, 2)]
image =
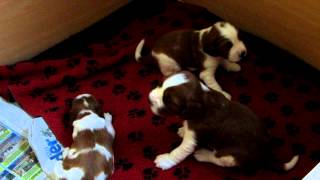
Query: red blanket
[(281, 90)]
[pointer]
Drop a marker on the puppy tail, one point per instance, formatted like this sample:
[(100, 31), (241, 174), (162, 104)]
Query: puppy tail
[(283, 167), (147, 59), (289, 165)]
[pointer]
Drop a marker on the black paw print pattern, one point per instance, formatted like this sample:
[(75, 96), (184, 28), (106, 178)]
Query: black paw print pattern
[(182, 172), (49, 71), (149, 152), (118, 89), (36, 92), (71, 83), (287, 110), (157, 120), (134, 95), (136, 113), (124, 164), (92, 66), (135, 136), (150, 173), (50, 97), (52, 109)]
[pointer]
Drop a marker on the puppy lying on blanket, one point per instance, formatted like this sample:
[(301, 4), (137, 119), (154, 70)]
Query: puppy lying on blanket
[(228, 134), (200, 50), (91, 155)]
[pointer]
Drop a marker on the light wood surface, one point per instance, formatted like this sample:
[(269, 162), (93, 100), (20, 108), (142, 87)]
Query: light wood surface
[(28, 27), (293, 25)]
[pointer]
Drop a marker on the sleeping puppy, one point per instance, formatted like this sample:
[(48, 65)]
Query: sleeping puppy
[(227, 133), (90, 155), (202, 50)]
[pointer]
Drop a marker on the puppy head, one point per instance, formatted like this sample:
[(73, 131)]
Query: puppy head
[(84, 103), (221, 40), (180, 94)]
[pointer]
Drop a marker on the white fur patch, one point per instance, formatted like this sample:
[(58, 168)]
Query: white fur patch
[(83, 95), (156, 95), (167, 65), (204, 87), (73, 173), (101, 176), (90, 122), (168, 160), (228, 31), (72, 154), (175, 80), (204, 155)]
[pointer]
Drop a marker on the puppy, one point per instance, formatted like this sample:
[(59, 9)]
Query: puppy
[(201, 50), (227, 133), (90, 155)]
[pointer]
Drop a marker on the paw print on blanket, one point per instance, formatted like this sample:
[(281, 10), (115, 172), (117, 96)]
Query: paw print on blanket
[(157, 120), (134, 95), (124, 164), (136, 113), (36, 92), (150, 173), (118, 89), (50, 97), (71, 83), (92, 66), (149, 152), (135, 136), (49, 71)]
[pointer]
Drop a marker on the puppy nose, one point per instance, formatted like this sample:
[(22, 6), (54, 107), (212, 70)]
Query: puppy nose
[(243, 54)]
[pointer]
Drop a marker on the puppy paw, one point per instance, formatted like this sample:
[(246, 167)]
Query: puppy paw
[(107, 116), (164, 161), (202, 155), (181, 132), (233, 67)]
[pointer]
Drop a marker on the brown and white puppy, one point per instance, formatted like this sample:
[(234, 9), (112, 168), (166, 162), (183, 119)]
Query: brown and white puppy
[(202, 50), (90, 155), (227, 133)]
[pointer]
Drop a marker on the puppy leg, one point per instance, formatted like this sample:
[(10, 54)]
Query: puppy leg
[(204, 155), (167, 65), (230, 66), (168, 160), (110, 129), (208, 77)]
